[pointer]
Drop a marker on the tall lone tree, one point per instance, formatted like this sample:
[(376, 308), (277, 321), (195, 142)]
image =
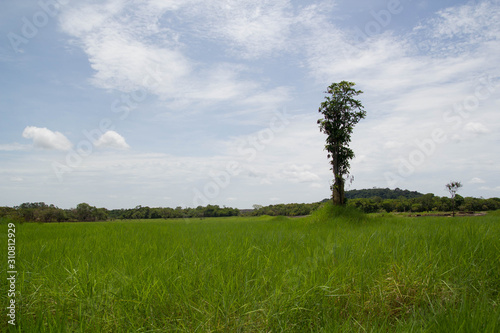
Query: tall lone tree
[(341, 111), (453, 188)]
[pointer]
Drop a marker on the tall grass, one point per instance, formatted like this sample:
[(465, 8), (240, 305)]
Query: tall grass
[(335, 271)]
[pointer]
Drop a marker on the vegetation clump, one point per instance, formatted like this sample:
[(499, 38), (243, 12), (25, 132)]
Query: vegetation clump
[(329, 212)]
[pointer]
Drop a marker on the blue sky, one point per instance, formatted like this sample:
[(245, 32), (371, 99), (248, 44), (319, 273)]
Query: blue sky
[(184, 103)]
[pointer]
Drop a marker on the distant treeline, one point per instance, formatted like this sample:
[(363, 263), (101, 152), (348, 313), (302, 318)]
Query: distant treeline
[(425, 203), (369, 201), (377, 200), (140, 212), (41, 212), (387, 200)]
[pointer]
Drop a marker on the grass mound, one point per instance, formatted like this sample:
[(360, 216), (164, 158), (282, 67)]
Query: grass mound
[(494, 213), (329, 212)]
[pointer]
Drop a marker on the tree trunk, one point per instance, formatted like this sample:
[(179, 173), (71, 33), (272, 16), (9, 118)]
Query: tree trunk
[(453, 207), (338, 195)]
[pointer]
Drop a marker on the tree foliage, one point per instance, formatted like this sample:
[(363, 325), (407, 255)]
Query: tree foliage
[(341, 111)]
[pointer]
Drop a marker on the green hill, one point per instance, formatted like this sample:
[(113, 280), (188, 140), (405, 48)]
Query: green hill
[(383, 193)]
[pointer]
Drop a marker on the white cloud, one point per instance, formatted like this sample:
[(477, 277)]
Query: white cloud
[(300, 174), (134, 47), (487, 188), (465, 22), (16, 179), (476, 128), (113, 140), (393, 144), (476, 180), (47, 139), (126, 47), (254, 28)]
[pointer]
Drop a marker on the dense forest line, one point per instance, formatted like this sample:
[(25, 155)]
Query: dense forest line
[(383, 193), (386, 200), (426, 203), (368, 201), (41, 212)]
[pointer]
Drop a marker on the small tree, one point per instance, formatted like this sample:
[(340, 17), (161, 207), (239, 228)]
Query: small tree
[(453, 188), (341, 112)]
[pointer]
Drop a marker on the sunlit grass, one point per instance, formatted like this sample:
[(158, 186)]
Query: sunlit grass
[(336, 270)]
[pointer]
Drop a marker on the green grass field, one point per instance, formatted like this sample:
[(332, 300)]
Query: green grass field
[(335, 271)]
